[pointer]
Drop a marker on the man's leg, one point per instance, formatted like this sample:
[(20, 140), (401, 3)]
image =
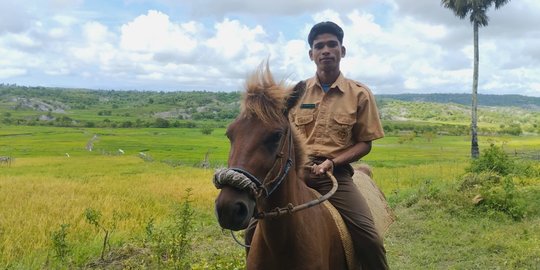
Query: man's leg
[(353, 208)]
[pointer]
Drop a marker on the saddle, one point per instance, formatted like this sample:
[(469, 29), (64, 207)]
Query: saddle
[(381, 212)]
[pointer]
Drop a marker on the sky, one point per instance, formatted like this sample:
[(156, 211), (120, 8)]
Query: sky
[(393, 46)]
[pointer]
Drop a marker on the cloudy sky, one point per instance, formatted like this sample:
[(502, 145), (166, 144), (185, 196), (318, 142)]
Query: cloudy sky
[(393, 46)]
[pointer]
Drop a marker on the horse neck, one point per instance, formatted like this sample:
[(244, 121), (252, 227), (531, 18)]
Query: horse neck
[(288, 231)]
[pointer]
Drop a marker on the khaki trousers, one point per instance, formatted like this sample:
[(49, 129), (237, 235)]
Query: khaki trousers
[(354, 210)]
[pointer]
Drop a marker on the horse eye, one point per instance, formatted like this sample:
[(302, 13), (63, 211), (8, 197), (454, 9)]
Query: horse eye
[(274, 138)]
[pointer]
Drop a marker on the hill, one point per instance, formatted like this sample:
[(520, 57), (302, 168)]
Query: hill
[(440, 113), (525, 102)]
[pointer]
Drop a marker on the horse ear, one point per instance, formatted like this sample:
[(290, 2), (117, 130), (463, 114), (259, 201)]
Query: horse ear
[(297, 92)]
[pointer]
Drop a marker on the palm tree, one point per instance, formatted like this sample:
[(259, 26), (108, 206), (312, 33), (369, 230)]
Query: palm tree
[(477, 10)]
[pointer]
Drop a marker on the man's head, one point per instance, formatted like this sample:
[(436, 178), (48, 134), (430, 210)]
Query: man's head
[(326, 49), (325, 28)]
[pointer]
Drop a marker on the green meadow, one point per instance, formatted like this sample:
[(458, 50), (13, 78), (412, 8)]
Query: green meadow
[(150, 192)]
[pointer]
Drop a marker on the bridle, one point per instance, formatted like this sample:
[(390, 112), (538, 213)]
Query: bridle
[(266, 187), (243, 179)]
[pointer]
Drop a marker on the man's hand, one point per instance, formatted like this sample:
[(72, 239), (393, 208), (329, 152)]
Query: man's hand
[(318, 169)]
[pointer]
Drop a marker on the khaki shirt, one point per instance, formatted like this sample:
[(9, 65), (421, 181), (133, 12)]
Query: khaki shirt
[(331, 122)]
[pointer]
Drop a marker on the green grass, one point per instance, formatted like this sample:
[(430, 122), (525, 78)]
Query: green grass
[(176, 145), (437, 227)]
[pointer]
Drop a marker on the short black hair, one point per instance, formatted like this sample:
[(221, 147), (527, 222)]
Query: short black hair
[(325, 28)]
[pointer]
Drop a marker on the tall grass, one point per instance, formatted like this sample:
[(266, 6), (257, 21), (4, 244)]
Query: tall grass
[(44, 195), (38, 195)]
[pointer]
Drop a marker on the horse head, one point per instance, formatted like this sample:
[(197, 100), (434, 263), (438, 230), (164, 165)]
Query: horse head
[(262, 149)]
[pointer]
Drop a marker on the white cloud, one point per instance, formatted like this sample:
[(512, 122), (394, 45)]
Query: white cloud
[(97, 46), (14, 18), (275, 8), (11, 72), (234, 40), (154, 32), (392, 46)]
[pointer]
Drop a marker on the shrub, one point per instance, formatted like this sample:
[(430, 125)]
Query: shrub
[(491, 183), (59, 241), (161, 123), (503, 198), (493, 159), (207, 130), (172, 244), (472, 181), (94, 217)]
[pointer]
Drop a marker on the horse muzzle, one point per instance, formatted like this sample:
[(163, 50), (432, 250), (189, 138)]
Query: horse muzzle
[(234, 208)]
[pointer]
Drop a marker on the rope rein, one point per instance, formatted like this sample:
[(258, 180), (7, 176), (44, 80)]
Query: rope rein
[(290, 208), (242, 179)]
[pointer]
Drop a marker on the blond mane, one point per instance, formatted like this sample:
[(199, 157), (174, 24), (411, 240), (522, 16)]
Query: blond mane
[(263, 97), (267, 100)]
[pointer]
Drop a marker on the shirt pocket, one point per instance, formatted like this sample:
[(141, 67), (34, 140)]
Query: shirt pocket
[(302, 121), (341, 128)]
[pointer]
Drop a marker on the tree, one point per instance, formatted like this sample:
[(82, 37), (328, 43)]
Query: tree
[(477, 14)]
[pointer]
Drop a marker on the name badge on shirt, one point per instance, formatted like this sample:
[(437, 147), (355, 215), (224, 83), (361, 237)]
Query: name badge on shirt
[(307, 106)]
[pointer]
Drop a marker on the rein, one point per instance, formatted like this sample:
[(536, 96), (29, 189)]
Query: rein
[(290, 208), (242, 179)]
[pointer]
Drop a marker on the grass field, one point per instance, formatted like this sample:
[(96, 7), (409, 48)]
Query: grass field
[(437, 226)]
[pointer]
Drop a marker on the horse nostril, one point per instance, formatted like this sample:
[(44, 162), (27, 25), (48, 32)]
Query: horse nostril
[(240, 210)]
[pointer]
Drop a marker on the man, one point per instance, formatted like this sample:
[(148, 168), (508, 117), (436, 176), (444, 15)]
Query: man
[(338, 119)]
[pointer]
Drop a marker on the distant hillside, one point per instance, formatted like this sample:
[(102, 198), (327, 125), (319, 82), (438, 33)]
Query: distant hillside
[(465, 99), (443, 113)]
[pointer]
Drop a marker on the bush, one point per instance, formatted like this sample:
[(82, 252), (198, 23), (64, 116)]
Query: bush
[(494, 159), (207, 130), (471, 181), (503, 198), (161, 123), (59, 241), (495, 194), (172, 244)]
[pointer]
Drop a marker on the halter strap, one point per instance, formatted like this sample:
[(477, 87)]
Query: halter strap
[(268, 187)]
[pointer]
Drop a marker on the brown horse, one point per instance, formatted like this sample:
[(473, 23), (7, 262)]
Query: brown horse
[(266, 163)]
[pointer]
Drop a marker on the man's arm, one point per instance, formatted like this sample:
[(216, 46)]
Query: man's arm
[(352, 154)]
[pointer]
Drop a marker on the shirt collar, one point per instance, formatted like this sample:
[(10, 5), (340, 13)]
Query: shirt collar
[(338, 84)]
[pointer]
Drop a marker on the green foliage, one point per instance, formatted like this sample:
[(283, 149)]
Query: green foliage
[(465, 99), (491, 178), (439, 114), (206, 130), (408, 137), (503, 198), (471, 181), (161, 123), (105, 113), (419, 179), (171, 245), (60, 244), (489, 184), (512, 129), (494, 194), (94, 217), (493, 159)]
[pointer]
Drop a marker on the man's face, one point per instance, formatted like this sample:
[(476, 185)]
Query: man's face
[(326, 52)]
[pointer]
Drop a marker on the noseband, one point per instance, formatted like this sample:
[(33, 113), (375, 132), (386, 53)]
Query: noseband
[(246, 179), (242, 179)]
